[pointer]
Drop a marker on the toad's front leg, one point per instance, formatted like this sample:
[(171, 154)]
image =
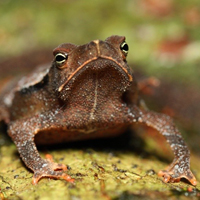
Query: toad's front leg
[(22, 132), (180, 167)]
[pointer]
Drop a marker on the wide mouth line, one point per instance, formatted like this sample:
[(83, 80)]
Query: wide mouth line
[(91, 60)]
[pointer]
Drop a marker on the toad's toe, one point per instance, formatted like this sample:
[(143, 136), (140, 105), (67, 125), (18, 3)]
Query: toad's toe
[(51, 170), (173, 176), (51, 174)]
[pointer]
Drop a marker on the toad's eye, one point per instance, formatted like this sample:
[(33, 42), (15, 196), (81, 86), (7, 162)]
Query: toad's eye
[(124, 48), (60, 58)]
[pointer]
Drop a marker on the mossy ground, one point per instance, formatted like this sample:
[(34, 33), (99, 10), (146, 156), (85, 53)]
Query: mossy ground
[(100, 173)]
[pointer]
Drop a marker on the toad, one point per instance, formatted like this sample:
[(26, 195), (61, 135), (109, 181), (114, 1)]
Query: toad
[(89, 91)]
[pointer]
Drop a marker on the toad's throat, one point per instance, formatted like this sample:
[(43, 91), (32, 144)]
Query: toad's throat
[(95, 97), (92, 117), (109, 61)]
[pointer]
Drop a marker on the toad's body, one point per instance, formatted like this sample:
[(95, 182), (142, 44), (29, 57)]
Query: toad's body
[(88, 92)]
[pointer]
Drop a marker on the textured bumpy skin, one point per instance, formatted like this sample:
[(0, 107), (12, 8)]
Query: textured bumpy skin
[(88, 92)]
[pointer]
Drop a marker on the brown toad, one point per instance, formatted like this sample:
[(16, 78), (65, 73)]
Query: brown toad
[(88, 92)]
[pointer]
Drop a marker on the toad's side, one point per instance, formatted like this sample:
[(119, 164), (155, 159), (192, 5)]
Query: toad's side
[(88, 92)]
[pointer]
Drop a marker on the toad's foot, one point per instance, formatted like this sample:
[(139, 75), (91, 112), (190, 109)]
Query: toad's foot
[(174, 174), (180, 167), (23, 136), (48, 169)]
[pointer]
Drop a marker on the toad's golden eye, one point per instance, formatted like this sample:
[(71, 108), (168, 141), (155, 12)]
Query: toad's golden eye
[(60, 58), (124, 48)]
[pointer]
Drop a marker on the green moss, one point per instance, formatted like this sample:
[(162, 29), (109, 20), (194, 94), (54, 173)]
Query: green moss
[(98, 174)]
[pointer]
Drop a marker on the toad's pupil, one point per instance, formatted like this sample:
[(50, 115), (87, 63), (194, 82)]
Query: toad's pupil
[(60, 58), (124, 47)]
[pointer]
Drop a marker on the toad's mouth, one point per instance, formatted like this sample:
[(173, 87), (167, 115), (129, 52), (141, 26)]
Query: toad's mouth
[(98, 64)]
